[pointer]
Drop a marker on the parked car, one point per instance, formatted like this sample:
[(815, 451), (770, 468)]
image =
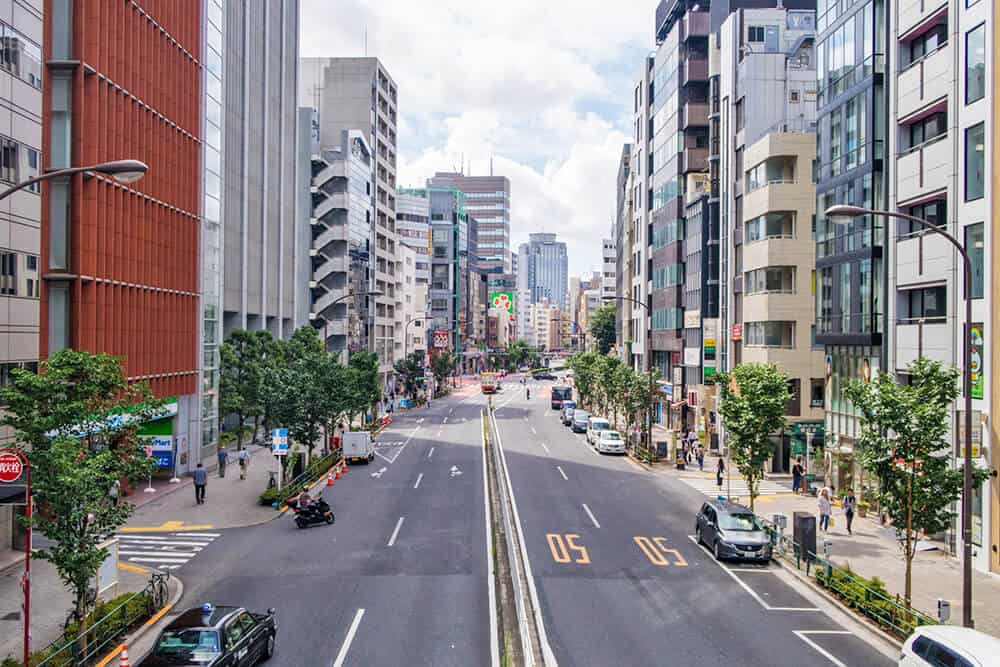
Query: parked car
[(566, 414), (211, 636), (580, 419), (610, 442), (949, 645), (731, 530), (594, 427), (544, 375)]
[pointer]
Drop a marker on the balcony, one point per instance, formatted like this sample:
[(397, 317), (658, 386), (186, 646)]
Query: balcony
[(930, 338), (695, 24), (911, 15), (924, 169), (921, 258), (695, 114), (695, 70), (694, 159), (925, 82)]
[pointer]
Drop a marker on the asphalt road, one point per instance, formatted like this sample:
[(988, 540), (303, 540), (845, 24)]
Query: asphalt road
[(399, 579), (621, 582)]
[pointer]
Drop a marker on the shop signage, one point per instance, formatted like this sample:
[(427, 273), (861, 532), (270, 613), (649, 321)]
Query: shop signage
[(692, 319), (691, 357), (976, 363), (737, 332)]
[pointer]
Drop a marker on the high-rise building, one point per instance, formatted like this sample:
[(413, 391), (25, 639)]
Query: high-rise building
[(939, 123), (414, 295), (609, 277), (450, 282), (359, 94), (853, 163), (21, 212), (547, 266), (487, 199), (413, 227), (991, 500), (121, 261)]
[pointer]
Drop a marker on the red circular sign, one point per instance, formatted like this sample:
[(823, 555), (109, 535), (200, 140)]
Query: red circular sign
[(10, 467)]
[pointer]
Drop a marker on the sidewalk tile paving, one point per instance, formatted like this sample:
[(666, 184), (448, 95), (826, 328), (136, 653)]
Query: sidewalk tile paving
[(872, 551)]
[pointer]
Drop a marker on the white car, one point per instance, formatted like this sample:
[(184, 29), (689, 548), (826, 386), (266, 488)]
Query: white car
[(594, 427), (949, 645), (610, 442)]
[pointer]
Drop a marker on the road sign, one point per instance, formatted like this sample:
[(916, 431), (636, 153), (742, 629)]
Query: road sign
[(10, 467), (279, 441)]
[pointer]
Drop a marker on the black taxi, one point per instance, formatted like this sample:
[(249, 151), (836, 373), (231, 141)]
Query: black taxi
[(215, 636)]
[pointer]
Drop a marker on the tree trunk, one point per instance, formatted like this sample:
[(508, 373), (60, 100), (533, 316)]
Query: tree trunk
[(239, 433)]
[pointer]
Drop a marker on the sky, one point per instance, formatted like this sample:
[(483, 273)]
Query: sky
[(542, 87)]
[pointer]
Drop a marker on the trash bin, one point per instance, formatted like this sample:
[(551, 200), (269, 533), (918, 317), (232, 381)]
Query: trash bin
[(661, 450)]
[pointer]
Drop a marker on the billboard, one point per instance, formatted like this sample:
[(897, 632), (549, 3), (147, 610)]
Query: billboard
[(442, 339), (975, 369), (503, 301)]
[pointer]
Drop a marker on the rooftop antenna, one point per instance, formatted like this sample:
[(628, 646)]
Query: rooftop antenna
[(366, 40), (491, 164)]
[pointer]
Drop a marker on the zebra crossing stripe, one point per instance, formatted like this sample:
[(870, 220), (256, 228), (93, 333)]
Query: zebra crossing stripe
[(166, 551)]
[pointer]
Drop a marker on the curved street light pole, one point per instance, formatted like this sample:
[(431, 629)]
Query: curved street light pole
[(406, 326), (647, 354), (844, 211), (123, 171)]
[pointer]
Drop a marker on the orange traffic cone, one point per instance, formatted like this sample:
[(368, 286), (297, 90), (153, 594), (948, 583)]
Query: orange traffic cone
[(123, 658), (345, 467), (338, 472), (329, 479)]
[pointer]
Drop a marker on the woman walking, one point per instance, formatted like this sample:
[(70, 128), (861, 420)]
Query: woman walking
[(824, 510), (720, 470), (850, 507)]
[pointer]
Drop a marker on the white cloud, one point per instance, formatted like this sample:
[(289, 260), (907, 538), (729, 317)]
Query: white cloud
[(542, 86)]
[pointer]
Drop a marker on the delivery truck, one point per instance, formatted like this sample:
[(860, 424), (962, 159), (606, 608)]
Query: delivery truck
[(358, 446)]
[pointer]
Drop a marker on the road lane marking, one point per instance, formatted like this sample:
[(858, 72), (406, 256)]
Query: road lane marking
[(430, 453), (591, 515), (656, 550), (395, 533), (559, 468), (561, 545), (419, 477), (451, 410), (445, 421), (439, 433), (746, 586), (346, 646), (533, 430), (544, 447), (801, 634)]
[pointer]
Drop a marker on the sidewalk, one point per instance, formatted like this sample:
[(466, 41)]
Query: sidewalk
[(873, 552)]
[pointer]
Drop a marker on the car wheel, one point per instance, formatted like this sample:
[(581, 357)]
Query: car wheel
[(268, 648), (715, 550), (697, 535)]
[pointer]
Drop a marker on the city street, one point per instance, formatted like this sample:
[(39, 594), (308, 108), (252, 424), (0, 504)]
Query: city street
[(402, 576)]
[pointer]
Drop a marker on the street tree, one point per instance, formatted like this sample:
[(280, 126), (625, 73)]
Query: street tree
[(606, 369), (602, 327), (585, 377), (76, 421), (366, 379), (442, 366), (903, 443), (411, 369), (754, 398), (296, 390), (518, 353), (242, 356)]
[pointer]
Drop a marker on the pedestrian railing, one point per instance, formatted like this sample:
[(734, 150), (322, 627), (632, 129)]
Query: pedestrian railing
[(314, 471), (114, 620), (867, 597)]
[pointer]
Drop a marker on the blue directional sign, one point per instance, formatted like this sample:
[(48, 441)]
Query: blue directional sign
[(279, 441)]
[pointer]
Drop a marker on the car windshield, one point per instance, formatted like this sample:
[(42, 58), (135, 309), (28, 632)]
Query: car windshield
[(197, 643), (600, 426), (611, 435), (740, 521)]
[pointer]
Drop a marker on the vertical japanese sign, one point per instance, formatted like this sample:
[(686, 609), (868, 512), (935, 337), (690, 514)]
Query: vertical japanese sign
[(975, 369)]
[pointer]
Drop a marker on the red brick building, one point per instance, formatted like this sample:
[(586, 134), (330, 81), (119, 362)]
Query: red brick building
[(121, 262)]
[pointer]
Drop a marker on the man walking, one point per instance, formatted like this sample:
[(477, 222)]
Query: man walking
[(244, 459), (850, 506), (200, 480), (797, 476), (223, 458)]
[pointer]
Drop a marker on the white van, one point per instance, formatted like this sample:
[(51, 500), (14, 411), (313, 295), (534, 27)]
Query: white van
[(949, 645), (594, 427)]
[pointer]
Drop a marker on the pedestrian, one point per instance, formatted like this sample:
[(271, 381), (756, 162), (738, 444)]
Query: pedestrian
[(797, 475), (223, 459), (701, 459), (115, 492), (720, 470), (244, 459), (200, 480), (850, 507), (824, 510)]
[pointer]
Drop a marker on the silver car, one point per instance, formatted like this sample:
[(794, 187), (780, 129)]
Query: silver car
[(580, 420)]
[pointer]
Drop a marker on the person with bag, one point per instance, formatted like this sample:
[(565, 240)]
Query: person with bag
[(720, 470), (824, 510), (850, 507)]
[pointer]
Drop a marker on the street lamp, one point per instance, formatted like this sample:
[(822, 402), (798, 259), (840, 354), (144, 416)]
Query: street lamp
[(842, 214), (123, 171), (406, 326), (647, 354), (326, 321)]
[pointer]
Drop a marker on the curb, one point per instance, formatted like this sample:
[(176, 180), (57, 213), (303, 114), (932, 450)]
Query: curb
[(176, 591), (833, 599)]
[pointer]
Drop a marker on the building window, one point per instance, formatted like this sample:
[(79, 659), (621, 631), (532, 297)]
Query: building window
[(8, 273), (793, 97), (927, 43), (927, 303), (975, 138), (8, 160), (31, 158), (934, 212), (769, 334), (928, 129), (975, 64), (816, 392), (740, 115), (975, 246), (770, 280), (755, 33)]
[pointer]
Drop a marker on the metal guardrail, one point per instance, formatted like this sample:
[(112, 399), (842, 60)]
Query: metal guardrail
[(875, 603), (86, 648)]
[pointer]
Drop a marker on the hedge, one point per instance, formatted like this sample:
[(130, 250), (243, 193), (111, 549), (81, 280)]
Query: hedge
[(871, 598), (316, 469)]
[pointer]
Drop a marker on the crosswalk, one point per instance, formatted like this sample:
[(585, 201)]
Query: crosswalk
[(163, 551), (735, 487)]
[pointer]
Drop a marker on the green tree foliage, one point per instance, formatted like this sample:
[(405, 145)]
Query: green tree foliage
[(754, 397), (442, 365), (76, 422), (602, 327), (411, 369), (903, 444), (518, 353), (585, 377), (366, 379), (242, 357)]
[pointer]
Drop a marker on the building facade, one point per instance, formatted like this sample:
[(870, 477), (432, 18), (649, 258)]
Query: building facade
[(20, 214), (359, 94), (619, 237), (449, 286), (546, 267), (414, 295), (413, 227), (487, 199)]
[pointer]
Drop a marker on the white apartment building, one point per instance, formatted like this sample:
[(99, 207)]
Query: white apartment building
[(413, 215), (640, 249), (940, 171), (608, 273), (414, 305)]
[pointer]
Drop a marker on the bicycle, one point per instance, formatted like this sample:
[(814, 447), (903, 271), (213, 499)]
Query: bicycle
[(158, 590)]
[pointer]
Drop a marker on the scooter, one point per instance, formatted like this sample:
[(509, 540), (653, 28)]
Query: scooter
[(318, 511)]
